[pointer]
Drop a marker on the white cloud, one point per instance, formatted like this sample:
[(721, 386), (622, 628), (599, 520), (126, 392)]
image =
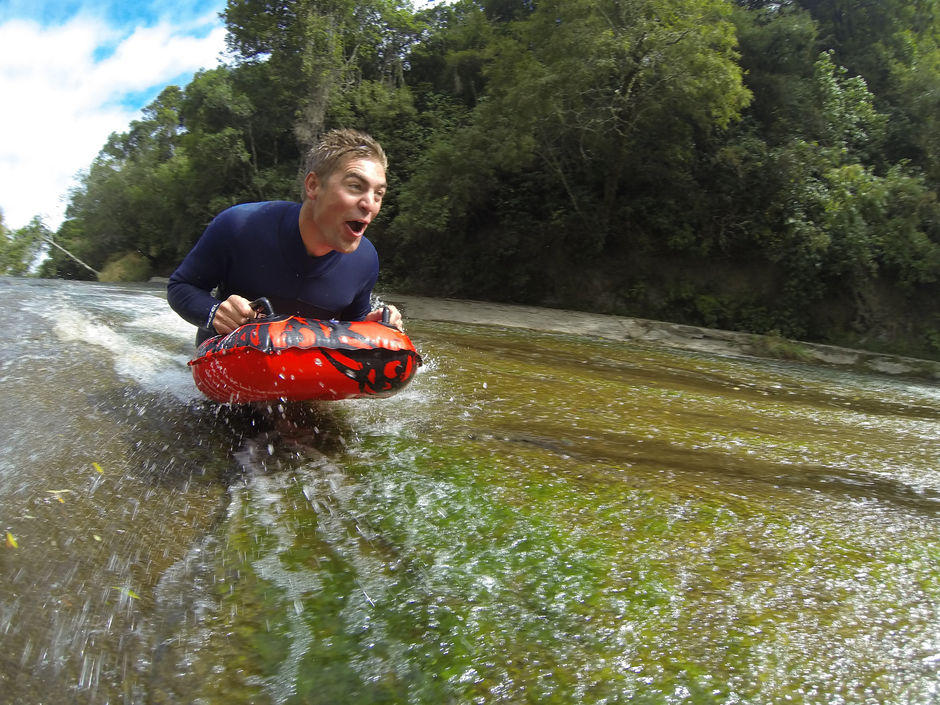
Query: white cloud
[(60, 104)]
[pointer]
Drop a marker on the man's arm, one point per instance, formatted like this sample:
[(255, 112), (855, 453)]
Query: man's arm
[(192, 303), (203, 269)]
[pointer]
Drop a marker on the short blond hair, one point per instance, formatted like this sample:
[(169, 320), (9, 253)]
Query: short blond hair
[(338, 145)]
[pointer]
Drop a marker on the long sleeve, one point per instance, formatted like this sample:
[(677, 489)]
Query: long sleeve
[(203, 269)]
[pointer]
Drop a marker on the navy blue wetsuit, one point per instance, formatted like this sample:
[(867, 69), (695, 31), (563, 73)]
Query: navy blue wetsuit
[(255, 250)]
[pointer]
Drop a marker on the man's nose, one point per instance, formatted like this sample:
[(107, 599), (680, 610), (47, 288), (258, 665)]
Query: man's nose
[(369, 201)]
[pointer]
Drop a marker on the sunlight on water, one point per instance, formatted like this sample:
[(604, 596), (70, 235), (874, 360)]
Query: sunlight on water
[(536, 518)]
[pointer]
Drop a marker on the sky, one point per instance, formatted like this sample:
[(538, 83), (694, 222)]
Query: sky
[(73, 72)]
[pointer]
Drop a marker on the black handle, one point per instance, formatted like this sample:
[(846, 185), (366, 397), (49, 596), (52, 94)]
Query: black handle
[(386, 315), (263, 307)]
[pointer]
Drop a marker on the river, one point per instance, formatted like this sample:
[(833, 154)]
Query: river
[(538, 518)]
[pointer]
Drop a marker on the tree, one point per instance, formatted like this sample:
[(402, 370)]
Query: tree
[(452, 52), (892, 45), (914, 128), (581, 81), (20, 249), (577, 92), (839, 223), (321, 49), (779, 46)]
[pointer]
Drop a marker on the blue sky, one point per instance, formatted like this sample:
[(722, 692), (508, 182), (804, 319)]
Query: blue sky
[(71, 73)]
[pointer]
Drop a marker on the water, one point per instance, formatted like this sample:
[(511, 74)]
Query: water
[(538, 518)]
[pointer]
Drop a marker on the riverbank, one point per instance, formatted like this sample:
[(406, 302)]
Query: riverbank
[(709, 340)]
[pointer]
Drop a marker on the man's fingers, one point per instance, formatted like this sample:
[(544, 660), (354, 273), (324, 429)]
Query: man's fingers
[(394, 317), (235, 311)]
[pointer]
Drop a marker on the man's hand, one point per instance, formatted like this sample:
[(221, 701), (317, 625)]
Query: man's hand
[(235, 311), (394, 317)]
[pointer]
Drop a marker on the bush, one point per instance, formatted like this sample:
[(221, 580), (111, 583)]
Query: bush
[(773, 344), (130, 267)]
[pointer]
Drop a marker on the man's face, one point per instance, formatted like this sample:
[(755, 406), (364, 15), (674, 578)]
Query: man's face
[(344, 204)]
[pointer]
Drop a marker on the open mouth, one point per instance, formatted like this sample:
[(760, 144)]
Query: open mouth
[(357, 226)]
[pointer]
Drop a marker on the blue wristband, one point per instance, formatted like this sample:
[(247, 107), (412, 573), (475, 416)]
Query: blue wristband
[(212, 315)]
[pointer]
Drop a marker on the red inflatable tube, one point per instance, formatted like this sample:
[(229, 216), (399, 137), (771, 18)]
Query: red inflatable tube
[(299, 359)]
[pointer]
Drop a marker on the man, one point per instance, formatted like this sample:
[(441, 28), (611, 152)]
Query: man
[(308, 258)]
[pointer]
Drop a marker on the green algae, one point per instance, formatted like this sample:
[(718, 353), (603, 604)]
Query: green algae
[(548, 519)]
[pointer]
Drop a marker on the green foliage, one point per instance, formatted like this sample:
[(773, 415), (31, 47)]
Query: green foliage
[(914, 132), (58, 264), (579, 88), (778, 49), (573, 92), (932, 336), (842, 210), (851, 125), (130, 267), (822, 208), (773, 344)]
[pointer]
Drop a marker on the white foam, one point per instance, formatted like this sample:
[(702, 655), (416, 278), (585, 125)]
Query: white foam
[(138, 348)]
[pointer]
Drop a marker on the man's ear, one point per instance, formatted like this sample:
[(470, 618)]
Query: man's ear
[(311, 183)]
